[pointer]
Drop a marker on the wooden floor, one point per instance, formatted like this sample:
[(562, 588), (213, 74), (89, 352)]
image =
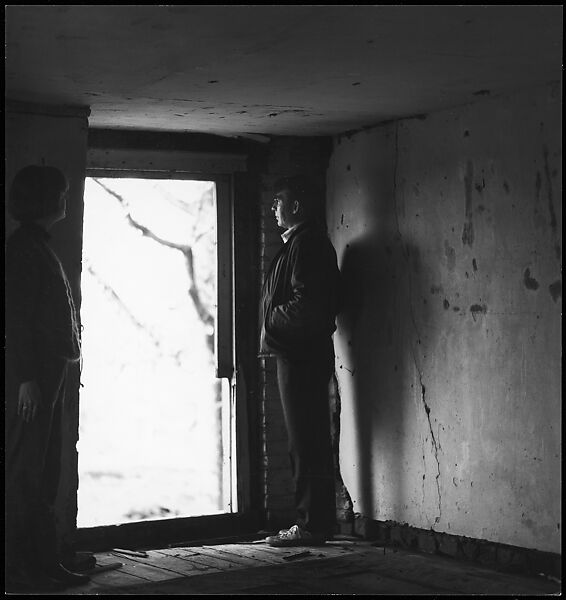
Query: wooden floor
[(343, 566)]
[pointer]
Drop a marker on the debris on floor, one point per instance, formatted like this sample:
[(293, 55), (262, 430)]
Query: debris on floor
[(126, 552), (298, 555)]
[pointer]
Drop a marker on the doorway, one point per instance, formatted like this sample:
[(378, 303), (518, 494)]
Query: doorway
[(154, 423)]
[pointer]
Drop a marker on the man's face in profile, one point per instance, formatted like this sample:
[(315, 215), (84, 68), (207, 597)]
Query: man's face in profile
[(284, 209)]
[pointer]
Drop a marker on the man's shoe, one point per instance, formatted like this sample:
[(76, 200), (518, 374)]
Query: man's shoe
[(295, 536), (60, 573)]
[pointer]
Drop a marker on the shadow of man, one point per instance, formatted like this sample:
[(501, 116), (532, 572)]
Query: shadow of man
[(382, 279)]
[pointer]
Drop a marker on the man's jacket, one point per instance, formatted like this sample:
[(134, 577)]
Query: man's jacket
[(301, 296)]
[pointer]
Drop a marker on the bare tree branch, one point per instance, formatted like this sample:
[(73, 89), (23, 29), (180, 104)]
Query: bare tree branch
[(112, 293), (204, 314), (185, 207)]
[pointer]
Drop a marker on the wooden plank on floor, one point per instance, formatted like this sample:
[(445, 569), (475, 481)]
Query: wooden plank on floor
[(391, 569), (442, 575), (95, 587), (344, 546), (193, 552), (279, 553), (271, 555), (363, 573), (257, 552), (260, 553), (185, 565), (191, 557), (297, 578), (231, 554), (209, 560), (464, 576), (226, 582), (322, 547), (367, 583), (315, 551), (116, 576), (140, 569)]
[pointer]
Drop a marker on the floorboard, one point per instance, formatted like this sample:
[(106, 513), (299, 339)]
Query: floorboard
[(142, 567), (238, 556), (340, 567)]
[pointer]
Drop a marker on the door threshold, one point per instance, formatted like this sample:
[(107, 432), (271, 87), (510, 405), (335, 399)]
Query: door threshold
[(169, 532)]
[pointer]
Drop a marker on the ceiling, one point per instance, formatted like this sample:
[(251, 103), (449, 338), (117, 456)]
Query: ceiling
[(274, 69)]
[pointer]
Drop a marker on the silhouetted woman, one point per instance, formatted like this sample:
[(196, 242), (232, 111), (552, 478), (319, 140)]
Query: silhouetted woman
[(41, 339)]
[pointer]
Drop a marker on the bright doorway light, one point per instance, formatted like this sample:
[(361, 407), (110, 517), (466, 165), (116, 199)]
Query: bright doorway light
[(150, 424)]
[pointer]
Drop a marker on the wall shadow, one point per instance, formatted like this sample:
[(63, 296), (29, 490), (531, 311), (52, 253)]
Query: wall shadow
[(383, 289)]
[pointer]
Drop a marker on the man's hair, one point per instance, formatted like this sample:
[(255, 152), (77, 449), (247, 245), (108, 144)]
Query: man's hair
[(35, 192), (303, 190)]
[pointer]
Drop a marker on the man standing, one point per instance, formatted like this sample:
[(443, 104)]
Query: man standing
[(300, 301)]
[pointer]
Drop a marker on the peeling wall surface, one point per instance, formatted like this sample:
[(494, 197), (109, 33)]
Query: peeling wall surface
[(448, 232), (58, 140)]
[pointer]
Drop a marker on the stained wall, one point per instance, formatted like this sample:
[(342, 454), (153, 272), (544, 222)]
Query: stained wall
[(448, 232)]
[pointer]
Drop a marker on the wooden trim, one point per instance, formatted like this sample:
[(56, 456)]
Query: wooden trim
[(164, 161), (224, 280), (239, 520), (141, 174), (173, 164), (50, 110), (166, 532)]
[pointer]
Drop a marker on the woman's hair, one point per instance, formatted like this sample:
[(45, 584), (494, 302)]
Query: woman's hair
[(35, 193)]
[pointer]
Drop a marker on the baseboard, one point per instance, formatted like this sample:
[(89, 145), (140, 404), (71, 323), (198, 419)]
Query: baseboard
[(502, 557)]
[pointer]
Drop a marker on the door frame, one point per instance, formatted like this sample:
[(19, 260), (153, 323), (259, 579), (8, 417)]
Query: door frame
[(244, 518)]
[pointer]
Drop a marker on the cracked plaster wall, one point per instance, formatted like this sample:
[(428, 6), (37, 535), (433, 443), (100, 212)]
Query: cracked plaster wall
[(448, 232)]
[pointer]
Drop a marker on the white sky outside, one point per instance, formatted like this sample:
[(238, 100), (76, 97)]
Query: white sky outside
[(148, 442)]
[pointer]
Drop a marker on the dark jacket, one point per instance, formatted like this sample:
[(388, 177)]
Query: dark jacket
[(301, 296), (41, 321)]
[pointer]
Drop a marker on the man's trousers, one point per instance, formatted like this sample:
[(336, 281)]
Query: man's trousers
[(303, 388)]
